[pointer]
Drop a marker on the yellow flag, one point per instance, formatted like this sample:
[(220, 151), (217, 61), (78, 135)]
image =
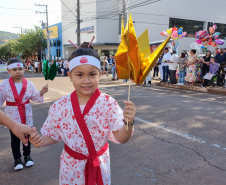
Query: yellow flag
[(144, 47), (133, 52), (121, 57), (147, 64)]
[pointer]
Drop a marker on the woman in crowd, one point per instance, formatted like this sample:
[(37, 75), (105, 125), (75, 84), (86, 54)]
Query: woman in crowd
[(106, 64), (205, 63), (191, 67), (182, 67)]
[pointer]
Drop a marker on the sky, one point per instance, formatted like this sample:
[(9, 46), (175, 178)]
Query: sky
[(21, 13)]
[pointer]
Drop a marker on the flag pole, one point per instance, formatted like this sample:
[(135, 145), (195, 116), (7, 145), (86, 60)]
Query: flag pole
[(127, 127)]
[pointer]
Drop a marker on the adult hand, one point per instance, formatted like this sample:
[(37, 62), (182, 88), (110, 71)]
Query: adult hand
[(20, 131)]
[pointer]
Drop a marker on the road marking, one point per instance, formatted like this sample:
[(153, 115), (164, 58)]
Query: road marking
[(200, 99), (60, 92), (184, 135)]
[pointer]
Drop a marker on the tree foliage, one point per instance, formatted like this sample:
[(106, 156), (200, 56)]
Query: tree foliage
[(29, 42), (8, 49), (7, 35)]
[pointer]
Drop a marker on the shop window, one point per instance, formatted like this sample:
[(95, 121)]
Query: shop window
[(55, 43), (190, 26), (220, 28), (58, 42), (51, 43)]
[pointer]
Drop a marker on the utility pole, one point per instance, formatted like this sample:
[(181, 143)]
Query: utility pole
[(19, 27), (78, 24), (47, 30), (124, 12)]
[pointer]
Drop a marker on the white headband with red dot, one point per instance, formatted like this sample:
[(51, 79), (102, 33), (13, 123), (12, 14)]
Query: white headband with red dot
[(14, 65), (84, 60)]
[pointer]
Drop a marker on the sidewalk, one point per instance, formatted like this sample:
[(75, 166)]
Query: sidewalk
[(196, 87)]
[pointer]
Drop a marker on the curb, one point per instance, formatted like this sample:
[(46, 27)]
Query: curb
[(211, 90)]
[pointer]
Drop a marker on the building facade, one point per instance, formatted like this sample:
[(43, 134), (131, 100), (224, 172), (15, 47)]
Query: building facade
[(56, 45), (102, 19)]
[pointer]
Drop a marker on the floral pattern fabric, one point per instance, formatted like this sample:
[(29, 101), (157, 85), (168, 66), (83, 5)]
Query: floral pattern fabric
[(103, 119), (31, 93), (191, 70)]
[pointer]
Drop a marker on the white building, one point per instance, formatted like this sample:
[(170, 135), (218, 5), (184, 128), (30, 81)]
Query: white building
[(102, 19)]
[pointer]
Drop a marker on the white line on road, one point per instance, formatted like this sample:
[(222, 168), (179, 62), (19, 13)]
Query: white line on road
[(173, 131)]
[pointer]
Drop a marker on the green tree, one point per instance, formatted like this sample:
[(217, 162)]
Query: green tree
[(30, 42), (8, 49)]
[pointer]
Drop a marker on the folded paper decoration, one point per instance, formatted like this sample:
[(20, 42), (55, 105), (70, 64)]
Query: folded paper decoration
[(49, 72), (133, 57)]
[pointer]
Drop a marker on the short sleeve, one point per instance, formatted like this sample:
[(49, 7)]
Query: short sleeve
[(51, 126), (172, 58), (2, 99), (115, 119)]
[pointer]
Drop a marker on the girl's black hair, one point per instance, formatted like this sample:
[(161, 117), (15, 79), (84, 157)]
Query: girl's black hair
[(84, 50), (14, 60), (208, 51)]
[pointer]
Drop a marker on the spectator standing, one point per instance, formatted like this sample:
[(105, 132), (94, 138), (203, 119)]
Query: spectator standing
[(160, 66), (156, 70), (32, 66), (165, 65), (182, 67), (148, 79), (112, 59), (221, 59), (173, 67), (65, 67), (205, 63), (216, 51), (36, 66), (191, 67), (106, 64), (113, 70)]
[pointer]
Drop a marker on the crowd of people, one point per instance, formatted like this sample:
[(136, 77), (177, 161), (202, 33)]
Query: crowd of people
[(36, 66), (181, 70)]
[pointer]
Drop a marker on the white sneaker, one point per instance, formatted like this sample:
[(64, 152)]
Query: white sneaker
[(182, 84), (28, 161), (18, 165), (177, 84)]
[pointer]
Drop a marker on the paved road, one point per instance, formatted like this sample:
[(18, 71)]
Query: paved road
[(179, 138)]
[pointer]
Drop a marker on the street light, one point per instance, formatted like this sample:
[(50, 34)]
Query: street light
[(19, 27)]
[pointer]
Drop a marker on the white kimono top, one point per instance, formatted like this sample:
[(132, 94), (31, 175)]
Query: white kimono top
[(103, 118), (31, 93)]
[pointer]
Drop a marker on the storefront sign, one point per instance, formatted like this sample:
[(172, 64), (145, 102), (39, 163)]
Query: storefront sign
[(3, 68), (86, 30), (53, 32)]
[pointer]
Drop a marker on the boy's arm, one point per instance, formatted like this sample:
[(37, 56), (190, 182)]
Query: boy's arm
[(18, 129)]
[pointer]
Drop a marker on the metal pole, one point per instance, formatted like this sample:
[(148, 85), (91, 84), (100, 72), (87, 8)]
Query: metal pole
[(78, 23), (48, 37), (124, 12)]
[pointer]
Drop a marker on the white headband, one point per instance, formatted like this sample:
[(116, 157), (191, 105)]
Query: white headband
[(84, 59), (14, 65)]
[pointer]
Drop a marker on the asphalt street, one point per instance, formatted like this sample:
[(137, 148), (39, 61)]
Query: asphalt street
[(179, 138)]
